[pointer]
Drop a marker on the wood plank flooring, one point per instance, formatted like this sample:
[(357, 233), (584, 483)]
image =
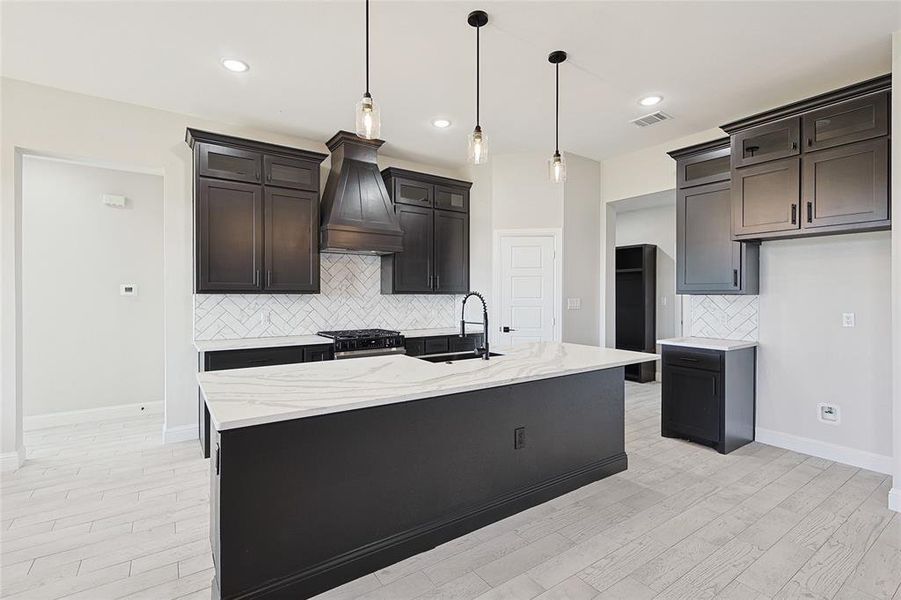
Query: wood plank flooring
[(105, 511)]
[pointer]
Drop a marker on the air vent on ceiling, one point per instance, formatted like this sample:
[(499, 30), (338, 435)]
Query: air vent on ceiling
[(650, 119)]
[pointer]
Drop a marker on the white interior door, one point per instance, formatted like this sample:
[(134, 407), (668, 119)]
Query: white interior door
[(527, 300)]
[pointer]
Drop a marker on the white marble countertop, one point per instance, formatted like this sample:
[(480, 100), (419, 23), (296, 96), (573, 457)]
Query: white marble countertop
[(263, 342), (708, 343), (309, 340), (243, 397)]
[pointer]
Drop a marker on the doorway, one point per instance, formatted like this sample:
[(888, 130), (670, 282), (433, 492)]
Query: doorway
[(528, 283)]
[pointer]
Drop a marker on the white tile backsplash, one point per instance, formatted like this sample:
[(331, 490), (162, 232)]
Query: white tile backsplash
[(723, 317), (350, 298)]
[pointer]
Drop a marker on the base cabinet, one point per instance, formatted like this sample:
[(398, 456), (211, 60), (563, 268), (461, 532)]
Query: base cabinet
[(709, 396)]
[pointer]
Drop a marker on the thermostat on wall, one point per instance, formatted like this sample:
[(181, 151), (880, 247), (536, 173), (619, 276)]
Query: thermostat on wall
[(113, 200), (128, 289)]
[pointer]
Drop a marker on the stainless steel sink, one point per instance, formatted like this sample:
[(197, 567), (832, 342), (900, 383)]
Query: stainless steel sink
[(452, 357)]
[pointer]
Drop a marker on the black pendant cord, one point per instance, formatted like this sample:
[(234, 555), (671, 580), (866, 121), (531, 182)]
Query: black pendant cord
[(367, 48), (557, 112), (478, 29)]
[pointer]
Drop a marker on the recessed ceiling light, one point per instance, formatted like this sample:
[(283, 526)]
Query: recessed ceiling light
[(441, 123), (234, 65), (650, 100)]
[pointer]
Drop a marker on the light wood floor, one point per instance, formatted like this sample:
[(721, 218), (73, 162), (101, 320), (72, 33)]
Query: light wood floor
[(103, 511)]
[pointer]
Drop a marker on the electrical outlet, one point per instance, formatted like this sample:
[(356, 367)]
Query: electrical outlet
[(847, 319), (828, 413), (519, 438)]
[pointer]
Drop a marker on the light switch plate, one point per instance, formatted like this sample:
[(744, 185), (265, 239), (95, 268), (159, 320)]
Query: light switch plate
[(847, 319), (573, 303)]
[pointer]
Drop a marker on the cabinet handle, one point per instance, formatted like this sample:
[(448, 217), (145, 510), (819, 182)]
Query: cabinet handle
[(794, 146), (430, 282), (687, 359), (257, 174), (269, 176), (256, 277), (810, 142), (734, 277), (437, 281), (794, 214), (268, 277), (810, 212), (751, 150)]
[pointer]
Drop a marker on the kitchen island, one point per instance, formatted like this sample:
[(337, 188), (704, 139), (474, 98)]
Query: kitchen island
[(323, 472)]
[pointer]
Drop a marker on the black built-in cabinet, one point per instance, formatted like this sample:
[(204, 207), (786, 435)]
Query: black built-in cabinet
[(708, 261), (636, 309), (708, 396), (815, 167), (434, 215), (256, 216)]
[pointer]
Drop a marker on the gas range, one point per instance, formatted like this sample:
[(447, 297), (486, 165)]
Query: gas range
[(356, 343)]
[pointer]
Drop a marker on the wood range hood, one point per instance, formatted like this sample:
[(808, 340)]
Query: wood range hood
[(357, 213)]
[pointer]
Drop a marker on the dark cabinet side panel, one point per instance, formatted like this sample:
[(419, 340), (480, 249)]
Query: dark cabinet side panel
[(292, 240), (846, 184), (451, 252), (229, 237)]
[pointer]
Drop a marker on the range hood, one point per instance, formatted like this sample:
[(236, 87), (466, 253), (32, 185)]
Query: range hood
[(357, 213)]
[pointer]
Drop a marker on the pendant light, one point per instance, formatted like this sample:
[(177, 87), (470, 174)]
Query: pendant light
[(369, 123), (478, 143), (557, 166)]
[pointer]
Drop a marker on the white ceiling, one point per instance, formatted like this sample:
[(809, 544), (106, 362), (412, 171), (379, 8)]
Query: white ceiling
[(712, 61)]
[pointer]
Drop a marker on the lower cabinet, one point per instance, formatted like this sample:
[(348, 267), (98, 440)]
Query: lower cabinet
[(709, 396), (442, 344)]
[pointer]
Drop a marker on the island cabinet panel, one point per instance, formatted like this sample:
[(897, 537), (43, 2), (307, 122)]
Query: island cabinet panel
[(304, 505), (229, 236), (434, 216), (256, 225)]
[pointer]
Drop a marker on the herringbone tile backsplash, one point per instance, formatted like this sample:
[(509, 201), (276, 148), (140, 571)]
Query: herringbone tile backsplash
[(350, 299), (723, 317)]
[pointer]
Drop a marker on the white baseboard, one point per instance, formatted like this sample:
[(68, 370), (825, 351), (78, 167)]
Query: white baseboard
[(894, 499), (842, 454), (72, 417), (11, 461), (180, 433)]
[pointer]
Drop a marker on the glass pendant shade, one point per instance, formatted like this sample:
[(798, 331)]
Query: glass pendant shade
[(557, 168), (369, 124), (478, 147)]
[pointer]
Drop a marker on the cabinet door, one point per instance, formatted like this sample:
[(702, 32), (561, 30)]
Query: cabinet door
[(707, 260), (413, 268), (253, 357), (223, 162), (292, 240), (318, 353), (702, 169), (847, 122), (229, 236), (691, 403), (846, 184), (291, 172), (766, 142), (451, 252), (451, 198), (765, 197), (416, 193)]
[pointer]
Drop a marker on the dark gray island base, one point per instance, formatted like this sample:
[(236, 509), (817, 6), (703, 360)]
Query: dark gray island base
[(301, 506)]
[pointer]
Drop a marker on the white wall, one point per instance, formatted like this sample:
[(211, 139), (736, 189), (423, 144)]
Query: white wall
[(656, 226), (895, 495), (582, 249), (84, 345), (522, 195), (807, 357), (42, 120)]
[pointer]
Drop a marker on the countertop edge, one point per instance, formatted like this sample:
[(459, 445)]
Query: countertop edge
[(713, 343)]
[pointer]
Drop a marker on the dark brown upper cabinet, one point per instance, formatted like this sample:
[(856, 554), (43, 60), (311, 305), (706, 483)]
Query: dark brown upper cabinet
[(763, 143), (229, 236), (291, 231), (225, 162), (846, 184), (451, 252), (836, 182), (434, 216), (256, 216), (765, 197), (708, 261), (847, 122), (291, 173)]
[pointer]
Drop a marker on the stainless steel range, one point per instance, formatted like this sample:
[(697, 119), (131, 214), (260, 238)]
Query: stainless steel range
[(357, 343)]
